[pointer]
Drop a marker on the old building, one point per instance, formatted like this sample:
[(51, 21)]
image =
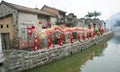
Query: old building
[(14, 21), (71, 20), (60, 15)]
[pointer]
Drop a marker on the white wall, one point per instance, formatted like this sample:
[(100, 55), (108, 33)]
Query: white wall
[(53, 20), (25, 20)]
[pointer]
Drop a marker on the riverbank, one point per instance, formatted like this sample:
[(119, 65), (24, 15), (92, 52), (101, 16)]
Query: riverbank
[(18, 60), (74, 62)]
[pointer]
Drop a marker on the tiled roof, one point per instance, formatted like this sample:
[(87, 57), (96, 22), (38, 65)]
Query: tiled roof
[(26, 9), (53, 8)]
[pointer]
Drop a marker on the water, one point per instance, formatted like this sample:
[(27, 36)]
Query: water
[(104, 57), (108, 62)]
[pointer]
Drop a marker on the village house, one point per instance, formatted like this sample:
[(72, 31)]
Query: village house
[(14, 21), (71, 20), (60, 15)]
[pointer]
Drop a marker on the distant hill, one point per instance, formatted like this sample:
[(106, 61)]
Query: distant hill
[(114, 20)]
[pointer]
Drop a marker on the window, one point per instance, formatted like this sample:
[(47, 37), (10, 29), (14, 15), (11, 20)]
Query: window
[(1, 26), (7, 26)]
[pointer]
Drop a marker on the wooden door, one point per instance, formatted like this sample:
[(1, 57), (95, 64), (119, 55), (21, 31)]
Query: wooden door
[(5, 41)]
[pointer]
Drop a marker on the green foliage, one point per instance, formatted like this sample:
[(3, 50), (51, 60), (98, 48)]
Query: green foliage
[(89, 15), (93, 14)]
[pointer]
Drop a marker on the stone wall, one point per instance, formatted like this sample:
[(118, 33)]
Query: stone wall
[(5, 10), (18, 60)]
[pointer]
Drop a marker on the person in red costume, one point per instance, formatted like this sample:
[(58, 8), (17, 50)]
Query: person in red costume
[(49, 42), (71, 39), (101, 30), (90, 34), (83, 36), (60, 40), (78, 37), (35, 44)]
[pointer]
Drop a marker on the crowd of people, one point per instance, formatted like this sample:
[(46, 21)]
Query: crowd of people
[(88, 33)]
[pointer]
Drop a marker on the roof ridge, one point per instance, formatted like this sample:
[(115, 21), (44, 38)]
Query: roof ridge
[(26, 9), (11, 4), (52, 8)]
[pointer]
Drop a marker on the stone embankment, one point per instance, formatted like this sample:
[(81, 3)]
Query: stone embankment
[(19, 60)]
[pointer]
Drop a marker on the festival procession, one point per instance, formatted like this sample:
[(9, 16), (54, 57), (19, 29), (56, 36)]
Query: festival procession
[(82, 34)]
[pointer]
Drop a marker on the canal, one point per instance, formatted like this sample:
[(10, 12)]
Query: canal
[(103, 57)]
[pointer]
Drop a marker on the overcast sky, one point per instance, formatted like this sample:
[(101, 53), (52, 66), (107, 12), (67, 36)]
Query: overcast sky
[(78, 7)]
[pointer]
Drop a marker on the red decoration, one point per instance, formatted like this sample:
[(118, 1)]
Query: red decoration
[(83, 36), (90, 34), (29, 31), (78, 37), (33, 27), (101, 30), (35, 44), (49, 42), (60, 40), (40, 22), (71, 39)]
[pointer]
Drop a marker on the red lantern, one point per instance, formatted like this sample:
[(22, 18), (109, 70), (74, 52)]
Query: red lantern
[(40, 22)]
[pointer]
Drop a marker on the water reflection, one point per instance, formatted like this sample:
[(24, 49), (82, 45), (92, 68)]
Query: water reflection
[(74, 62), (109, 62)]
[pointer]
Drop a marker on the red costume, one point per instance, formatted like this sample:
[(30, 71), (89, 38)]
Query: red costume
[(83, 36), (78, 37), (71, 39), (60, 40), (49, 42), (90, 34), (101, 30), (35, 44)]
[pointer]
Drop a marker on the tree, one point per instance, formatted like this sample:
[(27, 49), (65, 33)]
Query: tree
[(96, 14), (89, 15)]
